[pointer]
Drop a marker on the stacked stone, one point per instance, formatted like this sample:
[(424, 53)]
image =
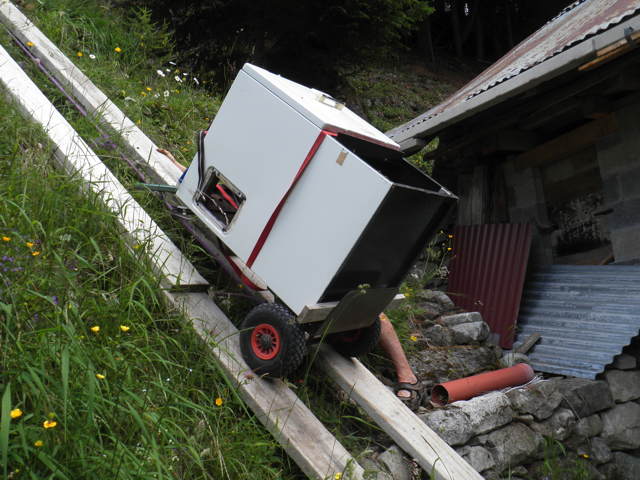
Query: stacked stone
[(510, 434)]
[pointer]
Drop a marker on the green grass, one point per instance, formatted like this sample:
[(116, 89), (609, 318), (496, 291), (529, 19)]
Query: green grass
[(137, 404), (153, 415)]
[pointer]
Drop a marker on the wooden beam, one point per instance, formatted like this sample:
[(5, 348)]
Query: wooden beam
[(90, 97), (301, 434), (75, 156), (567, 143), (408, 431), (320, 311)]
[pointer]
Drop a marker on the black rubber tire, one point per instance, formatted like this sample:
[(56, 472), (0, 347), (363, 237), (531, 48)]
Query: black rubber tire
[(356, 343), (292, 346)]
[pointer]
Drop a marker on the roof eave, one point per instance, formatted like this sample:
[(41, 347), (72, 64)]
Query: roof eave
[(553, 67)]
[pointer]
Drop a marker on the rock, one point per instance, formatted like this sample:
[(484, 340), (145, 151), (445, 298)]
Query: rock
[(451, 424), (558, 426), (510, 359), (470, 333), (487, 412), (478, 457), (623, 467), (439, 336), (624, 385), (621, 426), (512, 445), (585, 397), (436, 296), (394, 461), (589, 426), (461, 318), (373, 470), (444, 364), (625, 361), (599, 451), (429, 310), (539, 399)]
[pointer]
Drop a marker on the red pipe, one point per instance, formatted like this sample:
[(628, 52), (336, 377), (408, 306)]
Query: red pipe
[(466, 388)]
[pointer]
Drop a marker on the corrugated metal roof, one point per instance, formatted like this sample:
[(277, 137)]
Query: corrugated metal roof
[(574, 24), (585, 314), (487, 273)]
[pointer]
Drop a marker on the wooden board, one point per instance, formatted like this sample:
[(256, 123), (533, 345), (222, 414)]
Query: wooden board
[(88, 95), (75, 156), (315, 450), (320, 311), (302, 435), (401, 424), (306, 440)]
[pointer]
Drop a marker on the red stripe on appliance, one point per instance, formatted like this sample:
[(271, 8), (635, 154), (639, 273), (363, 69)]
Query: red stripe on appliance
[(272, 220)]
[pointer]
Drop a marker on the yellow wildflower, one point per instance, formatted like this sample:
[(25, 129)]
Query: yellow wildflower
[(149, 89), (449, 249), (218, 402), (177, 91), (144, 94), (36, 253), (95, 328), (80, 54), (413, 338), (99, 376), (584, 455), (15, 413), (38, 443), (136, 246), (29, 244), (30, 44), (338, 476), (117, 49), (49, 424), (125, 328), (450, 236), (6, 239)]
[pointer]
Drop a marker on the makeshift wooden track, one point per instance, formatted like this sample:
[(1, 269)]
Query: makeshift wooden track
[(306, 440)]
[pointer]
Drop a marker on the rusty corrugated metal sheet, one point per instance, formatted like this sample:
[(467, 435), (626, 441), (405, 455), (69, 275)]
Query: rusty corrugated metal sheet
[(575, 23), (585, 314), (487, 273)]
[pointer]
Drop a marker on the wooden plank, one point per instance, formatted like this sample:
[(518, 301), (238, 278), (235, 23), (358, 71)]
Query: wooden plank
[(316, 451), (401, 424), (302, 435), (306, 440), (88, 95), (75, 156), (568, 143)]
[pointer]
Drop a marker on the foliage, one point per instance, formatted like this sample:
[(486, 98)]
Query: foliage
[(108, 382), (304, 41), (97, 377)]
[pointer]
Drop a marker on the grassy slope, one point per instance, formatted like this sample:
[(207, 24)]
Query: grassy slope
[(154, 415), (136, 404)]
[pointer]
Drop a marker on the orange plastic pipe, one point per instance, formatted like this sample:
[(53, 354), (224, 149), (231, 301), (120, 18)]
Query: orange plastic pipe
[(469, 387)]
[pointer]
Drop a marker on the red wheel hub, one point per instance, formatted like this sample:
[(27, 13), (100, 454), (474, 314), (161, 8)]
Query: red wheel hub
[(265, 341)]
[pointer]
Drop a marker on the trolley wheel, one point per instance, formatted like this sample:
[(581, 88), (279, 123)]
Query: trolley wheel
[(356, 343), (270, 343)]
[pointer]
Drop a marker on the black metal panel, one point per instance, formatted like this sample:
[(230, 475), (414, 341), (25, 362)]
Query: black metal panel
[(392, 241)]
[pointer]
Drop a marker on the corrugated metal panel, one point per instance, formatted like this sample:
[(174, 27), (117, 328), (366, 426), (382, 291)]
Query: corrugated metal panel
[(585, 314), (574, 24), (487, 273)]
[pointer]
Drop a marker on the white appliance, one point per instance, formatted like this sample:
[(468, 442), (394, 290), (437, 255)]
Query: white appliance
[(311, 197)]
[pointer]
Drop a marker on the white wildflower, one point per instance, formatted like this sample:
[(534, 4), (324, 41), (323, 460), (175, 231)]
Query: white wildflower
[(161, 73), (177, 79), (92, 56), (165, 93), (196, 80), (172, 63)]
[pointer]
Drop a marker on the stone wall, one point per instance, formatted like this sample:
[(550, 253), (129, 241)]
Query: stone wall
[(619, 161), (591, 426)]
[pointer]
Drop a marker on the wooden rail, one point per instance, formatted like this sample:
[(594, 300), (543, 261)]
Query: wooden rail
[(302, 435), (306, 440)]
